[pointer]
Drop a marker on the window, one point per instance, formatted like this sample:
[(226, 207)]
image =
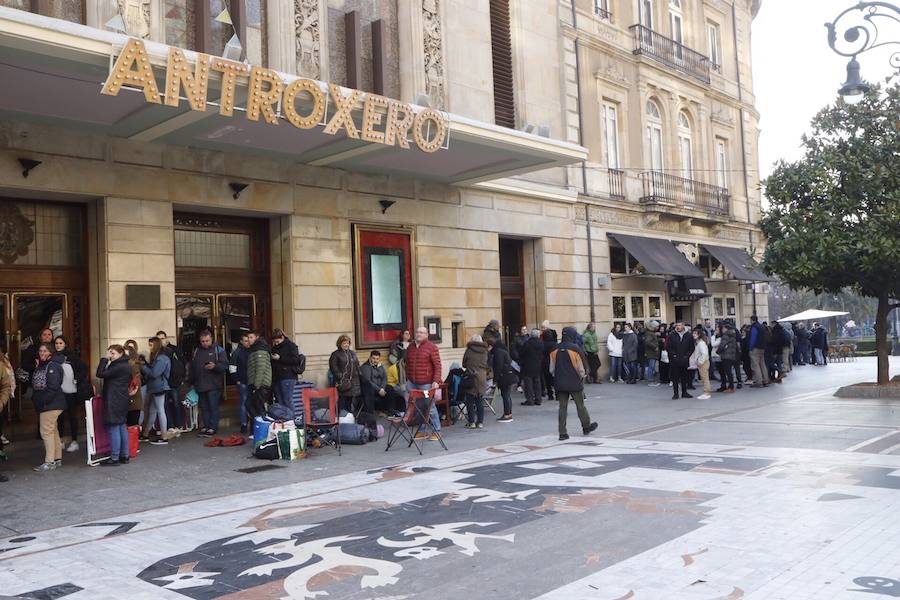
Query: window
[(622, 262), (501, 57), (611, 118), (722, 163), (654, 136), (719, 308), (711, 267), (676, 27), (630, 307), (601, 9), (383, 285), (715, 50), (216, 249), (685, 145), (194, 24), (67, 10), (646, 13)]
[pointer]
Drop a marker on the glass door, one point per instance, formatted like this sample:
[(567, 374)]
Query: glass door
[(31, 313), (5, 325), (193, 314), (236, 316)]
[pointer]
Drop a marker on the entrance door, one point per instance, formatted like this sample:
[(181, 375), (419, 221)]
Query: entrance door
[(512, 287), (236, 315), (684, 313), (193, 314)]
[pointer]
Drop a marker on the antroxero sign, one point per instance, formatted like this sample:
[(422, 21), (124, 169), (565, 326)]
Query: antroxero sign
[(384, 120)]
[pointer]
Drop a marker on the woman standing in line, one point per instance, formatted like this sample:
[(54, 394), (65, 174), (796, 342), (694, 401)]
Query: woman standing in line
[(116, 373), (77, 390), (614, 346), (138, 407), (699, 360), (156, 370), (49, 401), (344, 367), (475, 360)]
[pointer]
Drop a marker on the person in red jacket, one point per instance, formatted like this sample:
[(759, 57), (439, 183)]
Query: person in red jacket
[(423, 372)]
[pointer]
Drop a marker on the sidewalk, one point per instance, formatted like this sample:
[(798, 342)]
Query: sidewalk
[(186, 471)]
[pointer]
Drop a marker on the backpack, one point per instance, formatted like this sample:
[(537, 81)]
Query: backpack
[(300, 366), (467, 381), (176, 370), (69, 384)]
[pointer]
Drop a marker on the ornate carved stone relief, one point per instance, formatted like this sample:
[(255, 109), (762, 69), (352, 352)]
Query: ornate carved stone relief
[(136, 14), (613, 218), (16, 233), (731, 234), (721, 114), (306, 31), (433, 36), (612, 71)]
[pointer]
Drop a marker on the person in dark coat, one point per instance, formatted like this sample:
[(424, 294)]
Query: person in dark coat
[(285, 367), (630, 353), (504, 376), (475, 361), (115, 371), (492, 330), (548, 336), (567, 363), (531, 357), (374, 387), (49, 402), (207, 374), (818, 341), (729, 352), (344, 367), (803, 345), (776, 353), (74, 400), (681, 347)]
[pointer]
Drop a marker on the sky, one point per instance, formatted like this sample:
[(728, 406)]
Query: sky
[(796, 73)]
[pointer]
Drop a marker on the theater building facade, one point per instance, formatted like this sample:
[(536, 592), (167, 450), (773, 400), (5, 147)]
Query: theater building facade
[(344, 166)]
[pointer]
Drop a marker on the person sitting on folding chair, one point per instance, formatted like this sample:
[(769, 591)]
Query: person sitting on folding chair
[(423, 372), (375, 389), (457, 398)]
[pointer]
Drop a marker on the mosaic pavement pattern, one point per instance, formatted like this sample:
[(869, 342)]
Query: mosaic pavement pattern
[(593, 518)]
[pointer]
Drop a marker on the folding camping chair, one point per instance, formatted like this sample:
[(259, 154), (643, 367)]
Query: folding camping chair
[(488, 397), (418, 413), (320, 412)]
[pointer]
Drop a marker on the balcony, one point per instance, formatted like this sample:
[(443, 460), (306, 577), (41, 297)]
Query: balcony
[(669, 52), (670, 193), (602, 11), (616, 184)]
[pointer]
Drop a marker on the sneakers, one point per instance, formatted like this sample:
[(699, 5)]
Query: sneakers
[(519, 389), (563, 437), (421, 435), (58, 462), (72, 447), (505, 419), (686, 395), (124, 460), (44, 467), (589, 429), (526, 403), (434, 437), (654, 384), (469, 425), (244, 429), (205, 433), (159, 442), (704, 397), (479, 425), (110, 463)]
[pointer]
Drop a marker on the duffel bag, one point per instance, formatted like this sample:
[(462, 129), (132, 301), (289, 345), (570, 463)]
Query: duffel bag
[(267, 450), (354, 434)]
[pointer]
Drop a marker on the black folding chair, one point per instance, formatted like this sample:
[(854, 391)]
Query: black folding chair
[(418, 413)]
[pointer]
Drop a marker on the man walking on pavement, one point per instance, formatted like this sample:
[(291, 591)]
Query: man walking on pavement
[(758, 341), (567, 367), (680, 347)]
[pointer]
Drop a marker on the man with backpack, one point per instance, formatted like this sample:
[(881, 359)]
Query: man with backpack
[(568, 370), (174, 410), (759, 341)]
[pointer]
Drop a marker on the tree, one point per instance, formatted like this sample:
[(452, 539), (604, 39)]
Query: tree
[(834, 215)]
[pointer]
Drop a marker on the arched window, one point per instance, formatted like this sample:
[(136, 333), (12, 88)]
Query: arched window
[(654, 136), (685, 144)]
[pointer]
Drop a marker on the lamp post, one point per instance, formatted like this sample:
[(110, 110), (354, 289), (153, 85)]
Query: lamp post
[(861, 35)]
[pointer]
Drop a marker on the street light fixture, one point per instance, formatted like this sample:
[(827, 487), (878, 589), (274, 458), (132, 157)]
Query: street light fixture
[(862, 37)]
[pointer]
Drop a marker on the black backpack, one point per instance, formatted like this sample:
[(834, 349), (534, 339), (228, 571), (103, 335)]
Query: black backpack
[(176, 371), (301, 365)]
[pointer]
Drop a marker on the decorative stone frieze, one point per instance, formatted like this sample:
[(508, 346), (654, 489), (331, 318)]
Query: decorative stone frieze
[(307, 36), (432, 37), (136, 15)]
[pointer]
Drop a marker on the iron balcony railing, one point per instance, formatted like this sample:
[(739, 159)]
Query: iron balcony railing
[(602, 12), (668, 51), (616, 184), (696, 195)]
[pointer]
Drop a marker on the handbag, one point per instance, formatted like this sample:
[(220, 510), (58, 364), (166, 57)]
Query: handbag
[(134, 386), (192, 398), (664, 356), (291, 444)]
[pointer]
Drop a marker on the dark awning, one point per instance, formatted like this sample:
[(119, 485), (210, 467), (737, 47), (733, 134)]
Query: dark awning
[(687, 288), (737, 262), (657, 256)]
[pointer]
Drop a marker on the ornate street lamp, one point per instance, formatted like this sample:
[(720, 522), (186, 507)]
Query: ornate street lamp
[(862, 36)]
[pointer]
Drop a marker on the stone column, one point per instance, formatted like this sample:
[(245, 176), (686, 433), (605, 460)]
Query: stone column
[(137, 238)]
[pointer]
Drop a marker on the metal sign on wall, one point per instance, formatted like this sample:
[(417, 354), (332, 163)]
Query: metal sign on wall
[(384, 120)]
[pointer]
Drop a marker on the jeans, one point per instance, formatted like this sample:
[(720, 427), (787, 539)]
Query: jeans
[(631, 370), (243, 394), (583, 416), (680, 376), (209, 409), (615, 368), (118, 441), (531, 385), (475, 408), (507, 401), (820, 358), (651, 369), (71, 416), (593, 364), (175, 409), (157, 410), (727, 374), (284, 391), (435, 417)]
